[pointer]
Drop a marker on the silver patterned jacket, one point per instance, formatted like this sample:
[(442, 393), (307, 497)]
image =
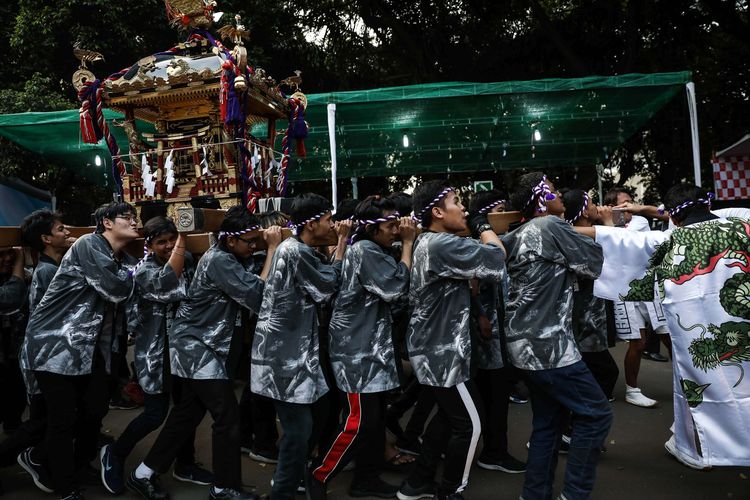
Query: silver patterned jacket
[(43, 273), (202, 333), (545, 257), (72, 319), (361, 337), (157, 290), (589, 318), (285, 362), (489, 353), (438, 339)]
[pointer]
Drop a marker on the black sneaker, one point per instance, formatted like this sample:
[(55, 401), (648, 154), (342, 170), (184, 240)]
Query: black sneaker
[(38, 473), (120, 403), (409, 492), (655, 356), (444, 495), (112, 471), (314, 489), (147, 488), (264, 456), (193, 473), (232, 494), (507, 464), (373, 487)]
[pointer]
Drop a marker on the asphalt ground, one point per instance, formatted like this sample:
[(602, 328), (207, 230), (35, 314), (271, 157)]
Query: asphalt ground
[(636, 465)]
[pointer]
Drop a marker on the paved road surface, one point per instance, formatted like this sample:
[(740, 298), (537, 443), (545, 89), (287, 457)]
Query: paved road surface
[(636, 465)]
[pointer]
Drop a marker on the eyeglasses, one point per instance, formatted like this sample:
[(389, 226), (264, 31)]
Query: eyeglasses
[(249, 242), (130, 218)]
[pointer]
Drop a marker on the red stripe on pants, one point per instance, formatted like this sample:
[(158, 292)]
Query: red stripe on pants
[(345, 438)]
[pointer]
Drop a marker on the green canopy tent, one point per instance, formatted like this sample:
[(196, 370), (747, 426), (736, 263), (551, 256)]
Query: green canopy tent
[(432, 128)]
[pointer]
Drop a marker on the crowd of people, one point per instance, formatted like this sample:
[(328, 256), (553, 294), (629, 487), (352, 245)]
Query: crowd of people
[(418, 306)]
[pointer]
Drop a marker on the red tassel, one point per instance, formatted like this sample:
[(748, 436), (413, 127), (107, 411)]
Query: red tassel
[(301, 151)]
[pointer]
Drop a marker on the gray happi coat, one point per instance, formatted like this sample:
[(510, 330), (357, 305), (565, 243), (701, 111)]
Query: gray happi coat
[(489, 352), (361, 337), (438, 339), (75, 315), (202, 333), (285, 361), (589, 318), (545, 256), (43, 273), (158, 290)]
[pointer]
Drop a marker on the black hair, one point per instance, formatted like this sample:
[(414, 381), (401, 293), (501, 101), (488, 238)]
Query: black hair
[(402, 202), (345, 209), (423, 195), (520, 197), (238, 219), (157, 226), (684, 193), (372, 207), (111, 211), (483, 199), (610, 197), (274, 218), (308, 205), (573, 200), (36, 224)]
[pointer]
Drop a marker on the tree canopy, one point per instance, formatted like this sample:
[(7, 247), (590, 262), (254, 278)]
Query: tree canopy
[(360, 44)]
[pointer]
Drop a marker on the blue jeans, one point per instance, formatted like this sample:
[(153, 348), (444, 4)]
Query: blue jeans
[(554, 394), (297, 426)]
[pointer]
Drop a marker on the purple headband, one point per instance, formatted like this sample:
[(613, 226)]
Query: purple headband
[(364, 222), (443, 194), (700, 201), (541, 194), (295, 227), (491, 206), (581, 211), (224, 234)]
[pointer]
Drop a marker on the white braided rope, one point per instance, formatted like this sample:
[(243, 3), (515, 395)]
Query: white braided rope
[(541, 194), (700, 201), (364, 222), (418, 217), (296, 227), (224, 234), (581, 211), (492, 205)]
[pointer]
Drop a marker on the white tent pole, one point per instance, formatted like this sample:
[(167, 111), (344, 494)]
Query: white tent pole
[(693, 110), (332, 142)]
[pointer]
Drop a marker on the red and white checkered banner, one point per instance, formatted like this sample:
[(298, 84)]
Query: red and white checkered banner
[(732, 178)]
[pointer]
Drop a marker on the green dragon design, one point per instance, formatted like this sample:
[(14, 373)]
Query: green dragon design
[(698, 251)]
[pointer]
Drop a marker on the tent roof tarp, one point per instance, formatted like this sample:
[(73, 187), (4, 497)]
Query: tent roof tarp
[(450, 127)]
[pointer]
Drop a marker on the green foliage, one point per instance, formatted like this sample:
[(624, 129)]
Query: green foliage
[(359, 44)]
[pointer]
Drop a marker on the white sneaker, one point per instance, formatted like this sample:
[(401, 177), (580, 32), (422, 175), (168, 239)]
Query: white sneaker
[(671, 447), (634, 396)]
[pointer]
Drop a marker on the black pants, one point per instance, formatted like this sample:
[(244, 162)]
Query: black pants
[(494, 389), (603, 368), (257, 421), (361, 435), (76, 406), (216, 396), (31, 432), (455, 429), (14, 395), (154, 412), (425, 402)]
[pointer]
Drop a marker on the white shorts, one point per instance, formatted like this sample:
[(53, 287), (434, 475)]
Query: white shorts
[(632, 317)]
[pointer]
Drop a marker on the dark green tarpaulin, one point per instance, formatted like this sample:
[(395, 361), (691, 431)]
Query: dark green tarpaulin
[(450, 127)]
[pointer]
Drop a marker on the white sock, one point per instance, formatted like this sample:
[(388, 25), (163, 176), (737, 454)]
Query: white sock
[(144, 472), (217, 490), (630, 389)]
